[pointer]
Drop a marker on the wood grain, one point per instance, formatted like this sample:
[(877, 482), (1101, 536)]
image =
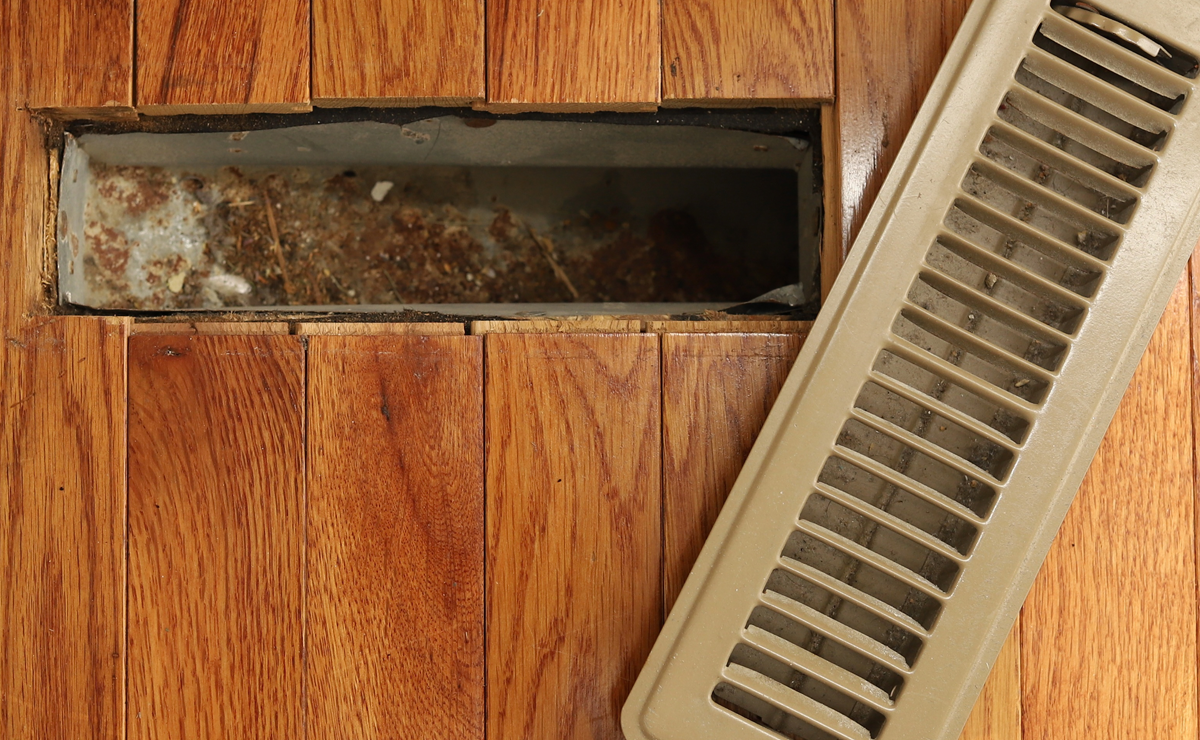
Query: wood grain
[(573, 565), (887, 56), (564, 55), (25, 246), (997, 712), (84, 57), (62, 530), (732, 52), (222, 56), (1108, 644), (395, 546), (397, 52), (216, 485), (717, 391)]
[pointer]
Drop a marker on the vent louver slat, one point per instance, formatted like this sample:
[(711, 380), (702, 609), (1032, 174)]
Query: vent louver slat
[(888, 523)]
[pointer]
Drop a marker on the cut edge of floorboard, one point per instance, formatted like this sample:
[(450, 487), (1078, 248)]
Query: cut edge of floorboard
[(633, 106), (213, 328), (765, 326), (564, 326), (430, 329), (398, 102), (223, 109), (746, 102)]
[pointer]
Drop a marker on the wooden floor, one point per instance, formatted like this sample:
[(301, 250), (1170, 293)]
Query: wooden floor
[(279, 531)]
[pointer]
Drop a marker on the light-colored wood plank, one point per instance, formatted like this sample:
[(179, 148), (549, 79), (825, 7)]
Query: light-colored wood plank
[(397, 52), (593, 325), (212, 328), (573, 562), (1108, 634), (997, 712), (733, 52), (339, 329), (80, 56), (222, 56), (717, 390), (395, 546), (62, 530), (216, 530), (564, 55), (887, 56), (730, 327)]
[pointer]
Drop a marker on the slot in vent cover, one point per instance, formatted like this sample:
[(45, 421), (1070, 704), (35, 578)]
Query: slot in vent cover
[(906, 487)]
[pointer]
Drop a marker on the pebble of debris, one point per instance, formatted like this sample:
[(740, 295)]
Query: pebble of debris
[(380, 191)]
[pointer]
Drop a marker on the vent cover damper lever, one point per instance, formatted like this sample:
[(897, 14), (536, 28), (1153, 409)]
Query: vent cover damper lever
[(906, 487)]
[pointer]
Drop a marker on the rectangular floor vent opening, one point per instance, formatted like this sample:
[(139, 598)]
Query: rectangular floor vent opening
[(458, 211)]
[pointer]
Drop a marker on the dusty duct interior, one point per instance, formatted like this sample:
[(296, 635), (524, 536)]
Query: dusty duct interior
[(453, 214)]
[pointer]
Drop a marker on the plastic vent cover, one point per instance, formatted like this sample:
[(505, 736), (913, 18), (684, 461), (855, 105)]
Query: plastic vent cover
[(907, 485)]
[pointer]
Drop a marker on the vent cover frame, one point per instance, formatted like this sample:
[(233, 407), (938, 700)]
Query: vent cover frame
[(1056, 383)]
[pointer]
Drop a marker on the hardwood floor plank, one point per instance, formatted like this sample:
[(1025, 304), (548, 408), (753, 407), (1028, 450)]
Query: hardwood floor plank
[(732, 52), (216, 528), (563, 55), (222, 56), (84, 56), (997, 712), (62, 530), (24, 191), (574, 550), (395, 545), (887, 56), (1108, 634), (397, 52), (717, 391)]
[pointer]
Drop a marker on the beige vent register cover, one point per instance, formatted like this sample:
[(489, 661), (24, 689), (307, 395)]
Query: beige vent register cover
[(891, 518)]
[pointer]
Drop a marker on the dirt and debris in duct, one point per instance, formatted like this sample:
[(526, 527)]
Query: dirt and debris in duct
[(308, 236)]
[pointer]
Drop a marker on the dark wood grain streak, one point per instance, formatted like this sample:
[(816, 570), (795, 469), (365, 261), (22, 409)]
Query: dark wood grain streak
[(84, 53), (564, 55), (732, 52), (573, 474), (887, 56), (216, 484), (717, 391), (222, 56), (395, 537), (62, 530), (398, 52)]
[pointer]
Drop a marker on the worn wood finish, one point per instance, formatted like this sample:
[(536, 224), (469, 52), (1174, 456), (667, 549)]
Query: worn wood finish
[(62, 530), (997, 713), (564, 55), (84, 53), (887, 56), (573, 564), (397, 52), (717, 390), (222, 56), (216, 466), (395, 546), (1109, 630), (732, 52)]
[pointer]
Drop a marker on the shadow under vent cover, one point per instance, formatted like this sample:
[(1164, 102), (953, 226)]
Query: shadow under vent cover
[(906, 487)]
